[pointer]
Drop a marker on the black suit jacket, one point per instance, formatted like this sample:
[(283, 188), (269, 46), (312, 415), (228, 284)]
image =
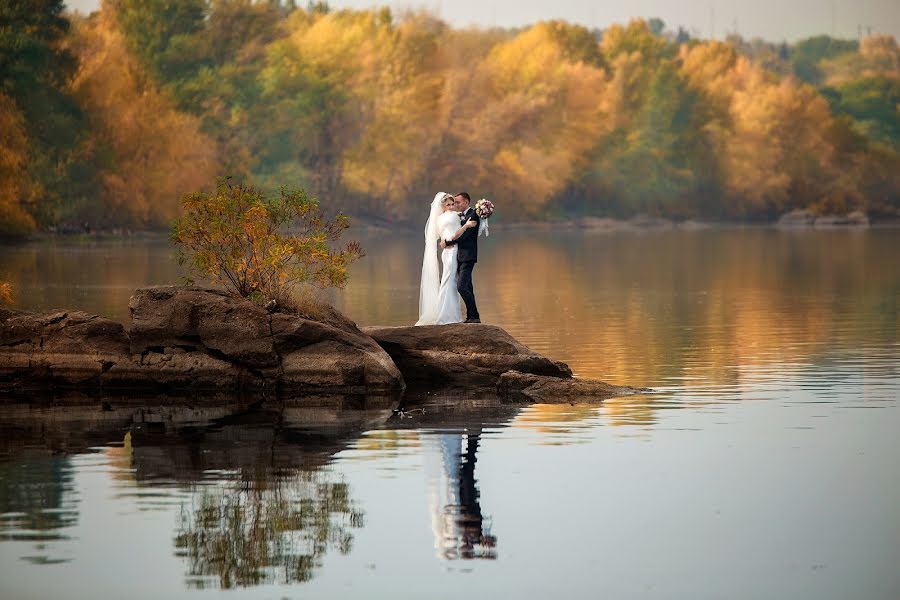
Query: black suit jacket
[(468, 241)]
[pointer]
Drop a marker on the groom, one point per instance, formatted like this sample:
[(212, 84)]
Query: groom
[(466, 256)]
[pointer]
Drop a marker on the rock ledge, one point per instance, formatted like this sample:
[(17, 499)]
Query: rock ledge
[(460, 354), (191, 338)]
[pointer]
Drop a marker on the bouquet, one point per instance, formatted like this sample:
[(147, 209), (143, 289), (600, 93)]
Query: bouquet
[(484, 209)]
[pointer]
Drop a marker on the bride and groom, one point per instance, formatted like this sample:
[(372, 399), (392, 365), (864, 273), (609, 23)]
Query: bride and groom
[(454, 225)]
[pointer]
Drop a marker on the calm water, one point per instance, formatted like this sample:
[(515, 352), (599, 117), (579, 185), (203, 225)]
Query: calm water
[(767, 466)]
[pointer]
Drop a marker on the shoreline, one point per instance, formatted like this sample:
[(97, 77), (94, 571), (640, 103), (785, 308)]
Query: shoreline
[(641, 224)]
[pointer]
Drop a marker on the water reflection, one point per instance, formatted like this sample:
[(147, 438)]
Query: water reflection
[(258, 501), (763, 345), (667, 309), (460, 530), (37, 504), (268, 531)]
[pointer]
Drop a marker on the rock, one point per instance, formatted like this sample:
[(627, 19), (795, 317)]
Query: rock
[(205, 320), (853, 219), (515, 386), (807, 218), (460, 354), (295, 353), (67, 348), (797, 218), (190, 338)]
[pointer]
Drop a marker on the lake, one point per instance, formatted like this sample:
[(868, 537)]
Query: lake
[(767, 463)]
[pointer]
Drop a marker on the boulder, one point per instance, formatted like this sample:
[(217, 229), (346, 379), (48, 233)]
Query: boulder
[(807, 219), (69, 348), (515, 386), (193, 338), (286, 350), (797, 218), (462, 354)]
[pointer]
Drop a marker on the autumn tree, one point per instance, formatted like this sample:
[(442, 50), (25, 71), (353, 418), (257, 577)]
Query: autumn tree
[(259, 246), (147, 152), (16, 185)]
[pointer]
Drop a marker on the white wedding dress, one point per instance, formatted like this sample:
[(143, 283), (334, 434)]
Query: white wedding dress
[(439, 302)]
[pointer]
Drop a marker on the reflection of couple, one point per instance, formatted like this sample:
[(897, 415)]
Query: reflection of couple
[(454, 225), (459, 528)]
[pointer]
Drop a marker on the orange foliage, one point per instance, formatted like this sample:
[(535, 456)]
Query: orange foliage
[(6, 293), (16, 187), (156, 152)]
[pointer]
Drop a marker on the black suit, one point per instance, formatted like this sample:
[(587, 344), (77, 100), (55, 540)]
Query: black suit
[(466, 257)]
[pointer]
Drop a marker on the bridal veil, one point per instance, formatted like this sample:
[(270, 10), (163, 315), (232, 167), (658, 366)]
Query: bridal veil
[(431, 273)]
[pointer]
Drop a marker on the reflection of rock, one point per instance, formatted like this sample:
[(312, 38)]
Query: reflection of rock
[(514, 386), (192, 338), (274, 437), (73, 422), (461, 354), (265, 511)]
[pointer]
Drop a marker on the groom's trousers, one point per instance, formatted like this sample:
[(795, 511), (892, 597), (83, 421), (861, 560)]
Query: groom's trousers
[(464, 287)]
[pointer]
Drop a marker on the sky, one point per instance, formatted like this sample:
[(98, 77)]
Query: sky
[(773, 20)]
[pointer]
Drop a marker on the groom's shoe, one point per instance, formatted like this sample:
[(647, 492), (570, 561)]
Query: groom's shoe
[(472, 321)]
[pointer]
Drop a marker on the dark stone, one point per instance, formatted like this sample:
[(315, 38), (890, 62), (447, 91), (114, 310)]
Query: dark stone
[(515, 386), (460, 354), (62, 347), (190, 338)]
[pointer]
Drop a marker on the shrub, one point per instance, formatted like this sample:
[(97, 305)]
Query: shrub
[(262, 247)]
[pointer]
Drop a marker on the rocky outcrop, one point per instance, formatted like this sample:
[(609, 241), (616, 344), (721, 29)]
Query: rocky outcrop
[(460, 354), (807, 219), (183, 340), (515, 386), (195, 339), (61, 348), (173, 325)]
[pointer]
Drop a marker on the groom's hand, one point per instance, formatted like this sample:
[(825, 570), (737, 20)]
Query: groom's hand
[(443, 244)]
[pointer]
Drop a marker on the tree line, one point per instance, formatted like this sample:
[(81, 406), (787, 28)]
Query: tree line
[(108, 119)]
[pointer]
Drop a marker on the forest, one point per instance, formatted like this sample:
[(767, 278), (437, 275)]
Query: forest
[(107, 120)]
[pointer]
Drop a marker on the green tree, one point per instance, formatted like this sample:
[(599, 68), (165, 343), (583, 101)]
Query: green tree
[(160, 32), (874, 102), (35, 70), (807, 55)]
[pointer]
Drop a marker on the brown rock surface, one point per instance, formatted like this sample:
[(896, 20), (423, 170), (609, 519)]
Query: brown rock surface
[(460, 354), (515, 386), (192, 338), (62, 347)]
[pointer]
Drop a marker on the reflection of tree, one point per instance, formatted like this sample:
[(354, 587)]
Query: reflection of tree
[(252, 533), (460, 529), (37, 502), (36, 498)]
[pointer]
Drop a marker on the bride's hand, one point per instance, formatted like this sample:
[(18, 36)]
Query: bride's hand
[(470, 223)]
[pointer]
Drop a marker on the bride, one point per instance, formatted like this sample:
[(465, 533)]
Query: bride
[(438, 299)]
